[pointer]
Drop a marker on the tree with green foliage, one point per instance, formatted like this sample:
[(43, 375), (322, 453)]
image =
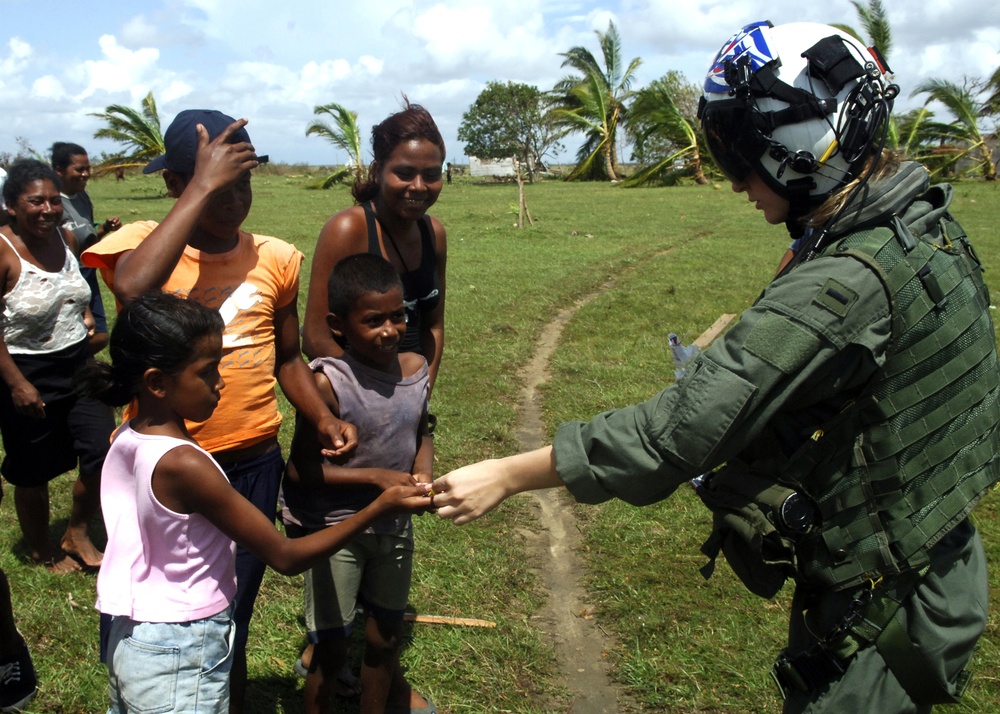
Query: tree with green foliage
[(509, 119), (593, 101), (962, 139), (663, 124), (137, 129), (344, 135)]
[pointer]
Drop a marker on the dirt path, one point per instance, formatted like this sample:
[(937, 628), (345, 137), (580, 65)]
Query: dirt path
[(579, 642)]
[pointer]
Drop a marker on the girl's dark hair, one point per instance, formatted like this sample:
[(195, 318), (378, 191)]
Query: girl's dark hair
[(358, 275), (156, 329), (413, 122), (63, 153), (21, 173)]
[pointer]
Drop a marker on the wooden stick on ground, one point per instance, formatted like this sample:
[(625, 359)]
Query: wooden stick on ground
[(446, 620), (718, 327)]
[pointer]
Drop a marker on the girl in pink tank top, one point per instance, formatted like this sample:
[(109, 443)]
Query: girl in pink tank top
[(167, 580)]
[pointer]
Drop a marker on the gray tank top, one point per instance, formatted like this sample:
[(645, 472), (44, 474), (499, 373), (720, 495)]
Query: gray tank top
[(387, 412)]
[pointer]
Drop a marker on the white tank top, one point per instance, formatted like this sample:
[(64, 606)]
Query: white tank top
[(43, 312)]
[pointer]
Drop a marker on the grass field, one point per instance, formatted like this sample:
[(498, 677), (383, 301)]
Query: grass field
[(675, 259)]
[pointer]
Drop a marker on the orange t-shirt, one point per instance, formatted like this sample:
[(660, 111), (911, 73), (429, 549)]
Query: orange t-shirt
[(246, 285)]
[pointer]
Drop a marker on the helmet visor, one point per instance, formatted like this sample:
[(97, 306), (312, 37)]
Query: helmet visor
[(733, 141)]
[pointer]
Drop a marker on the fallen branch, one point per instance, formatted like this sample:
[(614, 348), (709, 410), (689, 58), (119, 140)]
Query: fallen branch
[(445, 620)]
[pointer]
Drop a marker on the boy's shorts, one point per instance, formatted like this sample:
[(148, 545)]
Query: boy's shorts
[(374, 569)]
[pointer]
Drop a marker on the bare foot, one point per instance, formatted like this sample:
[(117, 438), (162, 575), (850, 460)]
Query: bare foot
[(82, 550), (59, 564)]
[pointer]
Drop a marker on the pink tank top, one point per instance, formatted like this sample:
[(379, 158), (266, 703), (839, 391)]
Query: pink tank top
[(159, 566)]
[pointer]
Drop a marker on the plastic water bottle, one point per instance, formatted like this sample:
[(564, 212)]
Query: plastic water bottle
[(682, 354)]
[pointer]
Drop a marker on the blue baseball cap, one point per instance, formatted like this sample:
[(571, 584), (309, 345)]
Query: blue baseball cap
[(181, 139)]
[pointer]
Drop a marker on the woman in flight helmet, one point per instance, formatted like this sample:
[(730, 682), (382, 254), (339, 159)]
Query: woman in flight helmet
[(850, 420)]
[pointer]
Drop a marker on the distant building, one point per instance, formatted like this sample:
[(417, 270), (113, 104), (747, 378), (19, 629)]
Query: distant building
[(487, 167)]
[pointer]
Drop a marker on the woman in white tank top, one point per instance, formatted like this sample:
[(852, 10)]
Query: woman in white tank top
[(47, 430)]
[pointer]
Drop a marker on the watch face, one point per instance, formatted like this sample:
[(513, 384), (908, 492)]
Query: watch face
[(797, 513)]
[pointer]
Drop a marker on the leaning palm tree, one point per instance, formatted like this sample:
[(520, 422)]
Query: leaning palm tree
[(138, 130), (992, 103), (963, 137), (593, 102), (660, 127), (344, 135)]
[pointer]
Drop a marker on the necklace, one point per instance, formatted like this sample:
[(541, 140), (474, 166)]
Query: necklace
[(392, 241)]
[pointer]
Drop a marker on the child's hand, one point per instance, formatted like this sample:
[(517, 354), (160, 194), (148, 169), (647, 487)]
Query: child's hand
[(337, 437), (387, 478), (408, 499)]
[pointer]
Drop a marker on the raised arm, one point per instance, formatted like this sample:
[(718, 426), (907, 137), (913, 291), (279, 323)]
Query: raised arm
[(218, 166)]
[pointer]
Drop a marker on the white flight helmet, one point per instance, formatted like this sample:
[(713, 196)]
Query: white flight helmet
[(802, 105)]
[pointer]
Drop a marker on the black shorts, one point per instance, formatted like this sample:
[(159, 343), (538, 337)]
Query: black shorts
[(75, 430)]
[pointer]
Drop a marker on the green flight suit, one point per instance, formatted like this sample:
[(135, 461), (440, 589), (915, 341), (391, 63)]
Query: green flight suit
[(789, 363)]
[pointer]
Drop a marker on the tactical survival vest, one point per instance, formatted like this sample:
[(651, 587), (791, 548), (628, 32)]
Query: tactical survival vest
[(903, 463), (908, 459)]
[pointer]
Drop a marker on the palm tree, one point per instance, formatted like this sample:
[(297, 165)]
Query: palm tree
[(593, 101), (875, 22), (663, 124), (344, 135), (992, 103), (138, 130), (962, 138)]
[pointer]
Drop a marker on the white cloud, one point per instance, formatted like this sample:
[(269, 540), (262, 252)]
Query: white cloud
[(16, 61), (121, 70), (48, 87)]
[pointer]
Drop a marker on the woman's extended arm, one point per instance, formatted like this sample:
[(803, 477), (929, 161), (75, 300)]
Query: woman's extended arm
[(473, 491)]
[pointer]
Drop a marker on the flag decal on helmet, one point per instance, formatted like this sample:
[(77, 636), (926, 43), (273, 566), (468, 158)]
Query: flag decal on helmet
[(753, 42)]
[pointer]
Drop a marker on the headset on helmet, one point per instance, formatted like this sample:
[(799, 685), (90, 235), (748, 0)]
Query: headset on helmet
[(802, 105)]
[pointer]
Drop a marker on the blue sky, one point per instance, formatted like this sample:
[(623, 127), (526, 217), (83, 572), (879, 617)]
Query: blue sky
[(272, 62)]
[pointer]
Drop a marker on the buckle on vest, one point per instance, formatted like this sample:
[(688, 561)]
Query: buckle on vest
[(807, 671)]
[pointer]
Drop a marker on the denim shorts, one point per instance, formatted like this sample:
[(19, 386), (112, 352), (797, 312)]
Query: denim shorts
[(156, 667), (374, 569)]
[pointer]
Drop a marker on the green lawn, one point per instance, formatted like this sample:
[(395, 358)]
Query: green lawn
[(675, 260)]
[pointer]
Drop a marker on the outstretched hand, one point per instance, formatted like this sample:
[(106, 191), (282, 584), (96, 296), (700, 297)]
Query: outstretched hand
[(473, 491), (409, 499), (220, 163), (470, 492)]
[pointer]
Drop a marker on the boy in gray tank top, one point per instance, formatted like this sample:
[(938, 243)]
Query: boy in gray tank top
[(384, 394)]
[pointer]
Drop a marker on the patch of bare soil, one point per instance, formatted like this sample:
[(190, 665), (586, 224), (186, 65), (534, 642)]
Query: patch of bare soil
[(580, 644)]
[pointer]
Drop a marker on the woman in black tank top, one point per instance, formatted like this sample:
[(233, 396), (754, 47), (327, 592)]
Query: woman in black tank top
[(390, 219)]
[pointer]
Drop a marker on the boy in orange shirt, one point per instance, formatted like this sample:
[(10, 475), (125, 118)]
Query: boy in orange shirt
[(200, 252)]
